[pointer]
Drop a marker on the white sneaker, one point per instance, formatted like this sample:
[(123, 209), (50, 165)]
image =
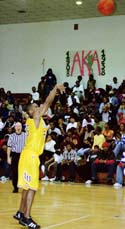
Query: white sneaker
[(52, 179), (4, 179), (117, 185), (45, 178), (88, 182)]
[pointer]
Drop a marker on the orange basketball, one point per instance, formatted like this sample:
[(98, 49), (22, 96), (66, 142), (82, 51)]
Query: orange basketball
[(106, 7)]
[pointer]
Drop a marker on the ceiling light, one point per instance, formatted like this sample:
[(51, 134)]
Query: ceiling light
[(78, 3)]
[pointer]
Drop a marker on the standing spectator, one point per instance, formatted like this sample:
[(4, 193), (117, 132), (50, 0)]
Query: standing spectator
[(115, 84), (91, 84), (15, 145), (35, 94), (50, 81), (78, 89), (41, 88)]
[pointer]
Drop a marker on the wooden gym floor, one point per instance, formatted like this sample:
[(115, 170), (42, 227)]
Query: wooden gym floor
[(68, 206)]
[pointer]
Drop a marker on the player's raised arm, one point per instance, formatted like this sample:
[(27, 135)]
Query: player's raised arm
[(50, 98)]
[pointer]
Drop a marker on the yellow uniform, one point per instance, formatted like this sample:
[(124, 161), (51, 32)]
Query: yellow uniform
[(29, 159)]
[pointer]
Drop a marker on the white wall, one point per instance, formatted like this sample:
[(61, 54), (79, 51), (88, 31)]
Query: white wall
[(23, 47)]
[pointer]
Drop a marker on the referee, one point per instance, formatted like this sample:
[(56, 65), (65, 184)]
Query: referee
[(15, 145)]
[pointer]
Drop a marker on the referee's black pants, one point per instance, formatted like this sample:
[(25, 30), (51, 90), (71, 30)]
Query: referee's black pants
[(15, 162)]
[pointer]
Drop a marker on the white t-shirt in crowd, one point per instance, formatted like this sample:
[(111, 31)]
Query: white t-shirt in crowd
[(105, 117), (58, 158), (71, 125), (56, 130), (1, 125), (35, 96), (49, 146), (114, 85), (85, 122)]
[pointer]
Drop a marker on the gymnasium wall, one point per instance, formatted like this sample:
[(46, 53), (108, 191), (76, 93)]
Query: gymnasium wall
[(24, 46)]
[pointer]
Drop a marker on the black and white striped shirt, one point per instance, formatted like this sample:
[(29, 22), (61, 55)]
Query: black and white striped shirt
[(16, 142)]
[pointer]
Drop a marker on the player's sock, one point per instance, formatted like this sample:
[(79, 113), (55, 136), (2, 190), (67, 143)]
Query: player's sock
[(18, 215), (29, 222)]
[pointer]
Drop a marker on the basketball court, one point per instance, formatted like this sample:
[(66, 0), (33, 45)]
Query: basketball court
[(66, 205)]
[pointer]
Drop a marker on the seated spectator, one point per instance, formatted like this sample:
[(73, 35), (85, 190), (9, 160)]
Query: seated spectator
[(4, 112), (108, 133), (85, 149), (106, 114), (120, 144), (98, 122), (53, 128), (69, 161), (105, 161), (99, 138), (72, 123), (3, 163), (120, 172), (88, 120), (113, 100), (88, 131), (62, 126), (35, 94), (79, 129), (2, 124), (93, 154), (54, 162), (50, 144), (121, 113), (9, 126), (105, 102)]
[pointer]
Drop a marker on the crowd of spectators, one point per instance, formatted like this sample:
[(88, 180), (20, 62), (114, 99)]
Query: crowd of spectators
[(83, 124)]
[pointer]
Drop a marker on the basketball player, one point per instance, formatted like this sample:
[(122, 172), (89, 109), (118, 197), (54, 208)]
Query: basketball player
[(29, 160)]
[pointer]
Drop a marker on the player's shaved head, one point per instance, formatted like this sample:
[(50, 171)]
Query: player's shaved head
[(31, 108)]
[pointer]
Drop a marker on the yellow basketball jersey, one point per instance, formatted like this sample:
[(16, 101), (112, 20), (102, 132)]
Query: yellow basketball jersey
[(35, 136)]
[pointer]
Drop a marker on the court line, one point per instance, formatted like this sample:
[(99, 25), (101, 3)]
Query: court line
[(68, 221)]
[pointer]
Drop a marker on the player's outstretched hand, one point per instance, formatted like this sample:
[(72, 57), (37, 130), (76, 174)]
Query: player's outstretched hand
[(61, 88)]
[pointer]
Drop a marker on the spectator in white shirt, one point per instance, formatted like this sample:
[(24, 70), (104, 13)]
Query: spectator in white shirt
[(114, 84), (72, 123), (50, 144), (78, 89), (35, 94), (88, 121), (53, 128), (2, 124)]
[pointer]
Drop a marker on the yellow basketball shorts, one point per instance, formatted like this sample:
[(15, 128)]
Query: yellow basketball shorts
[(28, 170)]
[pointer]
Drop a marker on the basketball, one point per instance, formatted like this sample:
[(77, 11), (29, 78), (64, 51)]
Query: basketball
[(106, 7)]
